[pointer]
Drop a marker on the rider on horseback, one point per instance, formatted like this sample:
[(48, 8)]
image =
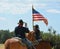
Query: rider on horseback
[(37, 33), (20, 32)]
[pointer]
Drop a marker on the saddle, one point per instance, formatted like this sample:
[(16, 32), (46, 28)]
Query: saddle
[(23, 44), (19, 40)]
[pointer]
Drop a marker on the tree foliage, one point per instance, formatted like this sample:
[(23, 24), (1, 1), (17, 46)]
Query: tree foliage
[(4, 35)]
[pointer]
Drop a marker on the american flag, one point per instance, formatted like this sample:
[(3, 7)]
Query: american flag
[(38, 17)]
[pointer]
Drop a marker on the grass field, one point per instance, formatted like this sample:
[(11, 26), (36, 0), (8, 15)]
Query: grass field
[(1, 46)]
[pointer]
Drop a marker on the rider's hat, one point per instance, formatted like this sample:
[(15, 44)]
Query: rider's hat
[(37, 26), (20, 21)]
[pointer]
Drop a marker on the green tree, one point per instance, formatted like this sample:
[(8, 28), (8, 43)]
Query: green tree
[(12, 34), (5, 34)]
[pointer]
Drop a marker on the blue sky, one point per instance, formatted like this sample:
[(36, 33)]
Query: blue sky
[(13, 10)]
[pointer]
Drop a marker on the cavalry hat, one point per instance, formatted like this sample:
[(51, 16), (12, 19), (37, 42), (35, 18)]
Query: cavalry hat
[(20, 21), (37, 26)]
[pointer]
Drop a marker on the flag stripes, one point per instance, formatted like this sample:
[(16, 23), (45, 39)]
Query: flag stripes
[(38, 17)]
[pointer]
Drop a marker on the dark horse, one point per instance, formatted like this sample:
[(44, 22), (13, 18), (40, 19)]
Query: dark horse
[(15, 43)]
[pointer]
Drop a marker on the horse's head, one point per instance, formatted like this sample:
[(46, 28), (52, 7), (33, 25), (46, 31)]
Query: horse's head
[(31, 36)]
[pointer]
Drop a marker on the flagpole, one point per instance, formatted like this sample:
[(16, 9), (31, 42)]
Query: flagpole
[(32, 21), (32, 18)]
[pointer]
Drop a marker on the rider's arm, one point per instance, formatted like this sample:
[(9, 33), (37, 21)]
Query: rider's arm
[(27, 32), (16, 32)]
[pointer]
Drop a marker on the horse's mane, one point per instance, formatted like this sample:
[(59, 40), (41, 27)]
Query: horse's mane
[(31, 36)]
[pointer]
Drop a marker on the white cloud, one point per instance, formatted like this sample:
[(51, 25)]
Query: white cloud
[(2, 18), (3, 0), (18, 7), (14, 8), (29, 1), (20, 10), (50, 0), (23, 1), (53, 11), (41, 5), (4, 7)]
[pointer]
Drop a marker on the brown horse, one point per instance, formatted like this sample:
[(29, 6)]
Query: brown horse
[(41, 45), (15, 44)]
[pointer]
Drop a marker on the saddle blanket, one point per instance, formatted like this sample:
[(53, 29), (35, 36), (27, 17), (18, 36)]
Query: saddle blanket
[(20, 40)]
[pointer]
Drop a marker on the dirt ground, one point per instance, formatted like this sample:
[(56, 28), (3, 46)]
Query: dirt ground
[(1, 46)]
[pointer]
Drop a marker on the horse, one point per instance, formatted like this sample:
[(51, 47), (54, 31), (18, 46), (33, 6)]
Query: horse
[(16, 44), (43, 44)]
